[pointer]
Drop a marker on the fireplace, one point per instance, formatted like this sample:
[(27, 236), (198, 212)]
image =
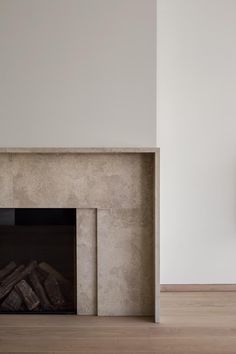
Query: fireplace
[(111, 250), (38, 260)]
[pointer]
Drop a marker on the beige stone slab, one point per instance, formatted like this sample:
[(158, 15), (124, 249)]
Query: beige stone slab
[(6, 181), (78, 150), (157, 235), (83, 180), (125, 262), (86, 261)]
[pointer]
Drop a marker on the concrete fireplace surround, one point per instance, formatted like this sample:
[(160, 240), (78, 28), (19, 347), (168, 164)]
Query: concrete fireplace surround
[(116, 194)]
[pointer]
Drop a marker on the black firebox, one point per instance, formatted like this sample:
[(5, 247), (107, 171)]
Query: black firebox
[(38, 261)]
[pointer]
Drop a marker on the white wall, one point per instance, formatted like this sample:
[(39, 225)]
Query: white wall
[(77, 73), (197, 111)]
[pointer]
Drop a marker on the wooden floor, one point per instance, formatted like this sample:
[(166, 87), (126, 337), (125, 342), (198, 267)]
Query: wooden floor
[(202, 323)]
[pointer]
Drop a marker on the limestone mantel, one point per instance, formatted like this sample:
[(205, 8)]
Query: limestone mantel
[(116, 194), (78, 150)]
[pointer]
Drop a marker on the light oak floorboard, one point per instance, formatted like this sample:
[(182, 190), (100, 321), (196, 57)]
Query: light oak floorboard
[(197, 287), (199, 323)]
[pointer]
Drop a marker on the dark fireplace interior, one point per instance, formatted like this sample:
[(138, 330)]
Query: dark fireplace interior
[(38, 261)]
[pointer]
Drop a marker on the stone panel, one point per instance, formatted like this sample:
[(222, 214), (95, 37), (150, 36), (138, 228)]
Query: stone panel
[(125, 262), (86, 261), (83, 180), (6, 181)]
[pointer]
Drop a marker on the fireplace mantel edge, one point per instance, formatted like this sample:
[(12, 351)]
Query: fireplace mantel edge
[(77, 150)]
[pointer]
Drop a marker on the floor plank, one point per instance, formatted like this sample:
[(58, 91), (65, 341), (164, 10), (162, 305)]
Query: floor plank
[(190, 323)]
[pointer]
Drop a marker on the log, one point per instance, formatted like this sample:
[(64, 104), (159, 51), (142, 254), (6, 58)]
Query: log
[(59, 277), (13, 302), (54, 292), (64, 283), (12, 275), (40, 292), (19, 273), (9, 282), (7, 270), (28, 295), (42, 275)]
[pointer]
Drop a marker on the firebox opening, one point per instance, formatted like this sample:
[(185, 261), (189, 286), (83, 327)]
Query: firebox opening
[(38, 261)]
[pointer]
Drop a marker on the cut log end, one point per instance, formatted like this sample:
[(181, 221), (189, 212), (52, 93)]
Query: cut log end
[(54, 292), (28, 295)]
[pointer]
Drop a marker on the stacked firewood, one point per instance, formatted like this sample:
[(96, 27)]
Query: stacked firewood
[(37, 287)]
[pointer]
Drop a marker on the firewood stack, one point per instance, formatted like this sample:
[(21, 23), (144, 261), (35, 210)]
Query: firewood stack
[(37, 287)]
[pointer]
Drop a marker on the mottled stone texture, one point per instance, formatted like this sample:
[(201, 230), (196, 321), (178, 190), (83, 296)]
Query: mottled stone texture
[(121, 187), (78, 150), (77, 180), (6, 181), (125, 262), (86, 231)]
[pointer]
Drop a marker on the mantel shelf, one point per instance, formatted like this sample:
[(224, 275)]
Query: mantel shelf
[(77, 150)]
